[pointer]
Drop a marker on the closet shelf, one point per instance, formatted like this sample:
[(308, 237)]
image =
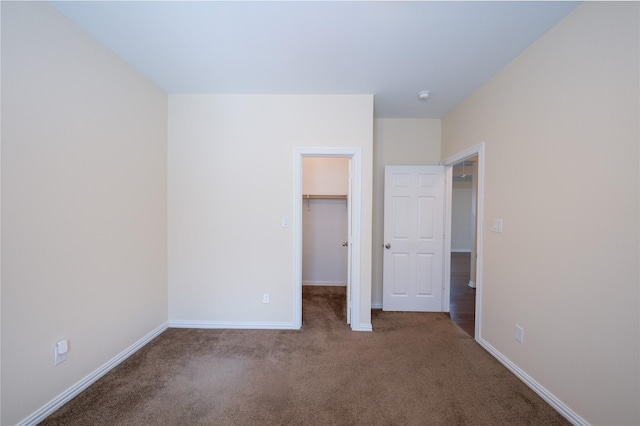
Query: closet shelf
[(324, 197)]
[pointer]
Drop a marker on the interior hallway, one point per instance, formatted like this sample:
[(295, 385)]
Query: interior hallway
[(463, 297)]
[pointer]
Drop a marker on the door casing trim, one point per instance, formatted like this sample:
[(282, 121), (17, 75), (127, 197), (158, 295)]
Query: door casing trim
[(355, 159), (476, 150)]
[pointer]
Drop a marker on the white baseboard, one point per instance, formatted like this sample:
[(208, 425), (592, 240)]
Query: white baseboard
[(363, 327), (460, 250), (74, 390), (550, 398), (327, 283), (233, 325), (376, 306)]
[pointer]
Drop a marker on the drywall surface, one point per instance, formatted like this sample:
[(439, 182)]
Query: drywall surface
[(397, 142), (324, 230), (83, 206), (325, 176), (231, 181), (462, 236), (566, 266)]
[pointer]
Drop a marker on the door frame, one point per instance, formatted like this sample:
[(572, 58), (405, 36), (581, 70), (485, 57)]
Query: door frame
[(476, 150), (355, 170)]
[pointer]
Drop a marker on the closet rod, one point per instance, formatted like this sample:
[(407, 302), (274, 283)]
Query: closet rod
[(324, 197)]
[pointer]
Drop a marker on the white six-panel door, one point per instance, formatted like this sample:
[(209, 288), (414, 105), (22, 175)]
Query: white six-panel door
[(413, 238)]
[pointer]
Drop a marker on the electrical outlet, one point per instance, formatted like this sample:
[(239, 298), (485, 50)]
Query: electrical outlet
[(519, 333), (265, 298)]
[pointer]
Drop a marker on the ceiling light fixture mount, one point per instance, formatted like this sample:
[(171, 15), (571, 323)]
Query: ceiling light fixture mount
[(424, 95)]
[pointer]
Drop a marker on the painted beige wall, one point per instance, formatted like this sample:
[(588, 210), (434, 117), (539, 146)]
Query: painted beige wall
[(231, 176), (83, 206), (397, 142), (566, 266), (325, 176)]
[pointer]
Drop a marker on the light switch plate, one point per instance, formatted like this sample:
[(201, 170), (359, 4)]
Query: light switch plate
[(497, 225), (58, 357), (519, 335)]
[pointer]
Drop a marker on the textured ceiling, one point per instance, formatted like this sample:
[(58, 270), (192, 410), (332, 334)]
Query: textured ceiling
[(389, 49)]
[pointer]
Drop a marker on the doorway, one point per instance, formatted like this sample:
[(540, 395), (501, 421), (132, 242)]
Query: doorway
[(463, 245), (325, 183), (475, 263), (353, 200)]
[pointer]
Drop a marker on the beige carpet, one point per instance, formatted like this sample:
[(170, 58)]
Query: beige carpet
[(414, 369)]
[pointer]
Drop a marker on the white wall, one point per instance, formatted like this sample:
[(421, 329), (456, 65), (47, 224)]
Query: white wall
[(566, 266), (397, 142), (83, 206), (324, 229), (462, 236), (231, 176), (324, 221)]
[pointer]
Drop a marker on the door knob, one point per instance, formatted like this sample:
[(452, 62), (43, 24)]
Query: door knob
[(387, 246), (346, 243)]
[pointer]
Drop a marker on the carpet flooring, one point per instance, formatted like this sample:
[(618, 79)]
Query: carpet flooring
[(413, 369)]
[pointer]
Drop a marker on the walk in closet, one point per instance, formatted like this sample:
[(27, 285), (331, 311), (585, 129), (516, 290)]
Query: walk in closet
[(324, 221)]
